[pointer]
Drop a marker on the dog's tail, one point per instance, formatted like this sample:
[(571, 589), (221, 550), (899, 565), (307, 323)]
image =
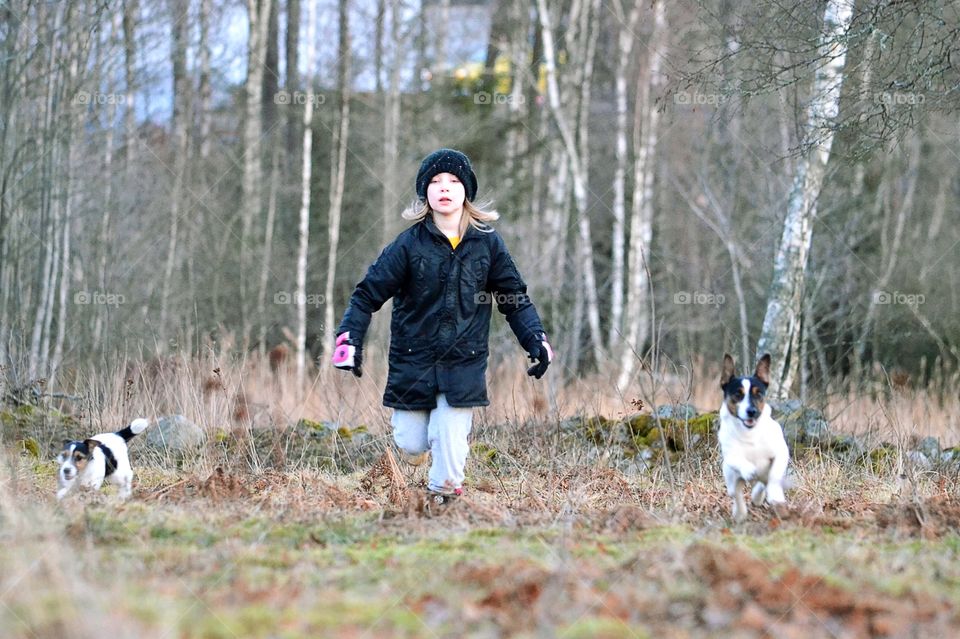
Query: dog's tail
[(136, 427)]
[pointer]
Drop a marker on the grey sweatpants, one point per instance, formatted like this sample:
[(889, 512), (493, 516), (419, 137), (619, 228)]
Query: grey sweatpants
[(444, 431)]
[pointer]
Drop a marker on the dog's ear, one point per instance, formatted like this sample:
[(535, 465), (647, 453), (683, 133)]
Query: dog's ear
[(763, 369), (91, 444), (729, 370)]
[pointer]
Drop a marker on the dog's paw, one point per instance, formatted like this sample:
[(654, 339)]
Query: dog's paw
[(775, 495)]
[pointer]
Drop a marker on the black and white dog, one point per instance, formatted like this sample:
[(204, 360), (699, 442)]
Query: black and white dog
[(751, 441), (103, 456)]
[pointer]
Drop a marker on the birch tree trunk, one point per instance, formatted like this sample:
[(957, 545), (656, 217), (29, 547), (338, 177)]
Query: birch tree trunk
[(304, 228), (577, 169), (338, 173), (258, 12), (781, 323), (646, 121), (625, 51), (554, 245)]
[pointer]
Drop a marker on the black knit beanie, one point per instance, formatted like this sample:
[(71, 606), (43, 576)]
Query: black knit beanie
[(447, 161)]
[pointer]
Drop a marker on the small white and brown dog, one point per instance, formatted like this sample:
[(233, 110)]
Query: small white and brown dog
[(751, 441), (104, 456)]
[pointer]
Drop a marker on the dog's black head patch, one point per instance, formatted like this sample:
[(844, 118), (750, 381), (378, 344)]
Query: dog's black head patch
[(745, 396)]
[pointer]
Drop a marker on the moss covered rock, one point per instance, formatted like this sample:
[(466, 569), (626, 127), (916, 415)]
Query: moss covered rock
[(644, 431), (803, 426)]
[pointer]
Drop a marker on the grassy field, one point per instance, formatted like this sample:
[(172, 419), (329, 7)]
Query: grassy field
[(255, 538), (581, 553)]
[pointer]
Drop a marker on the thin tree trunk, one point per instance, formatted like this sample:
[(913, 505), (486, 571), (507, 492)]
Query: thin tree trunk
[(205, 90), (104, 246), (130, 15), (258, 12), (581, 185), (784, 302), (304, 229), (625, 50), (937, 217), (271, 68), (378, 47), (64, 265), (268, 246), (293, 76), (391, 127), (646, 122), (180, 145), (555, 241), (337, 178)]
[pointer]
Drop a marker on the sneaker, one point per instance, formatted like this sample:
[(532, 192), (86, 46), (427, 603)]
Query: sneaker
[(437, 501), (438, 498)]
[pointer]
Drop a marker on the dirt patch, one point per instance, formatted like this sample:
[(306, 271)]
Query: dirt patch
[(928, 518), (625, 519), (219, 485), (305, 492), (746, 596)]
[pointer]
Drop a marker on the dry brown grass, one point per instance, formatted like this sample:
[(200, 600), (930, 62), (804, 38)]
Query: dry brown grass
[(228, 392)]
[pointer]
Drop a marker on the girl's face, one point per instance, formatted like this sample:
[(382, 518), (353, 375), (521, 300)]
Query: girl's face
[(445, 194)]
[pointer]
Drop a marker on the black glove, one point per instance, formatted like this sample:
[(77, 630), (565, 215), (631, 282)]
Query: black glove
[(542, 354), (348, 354)]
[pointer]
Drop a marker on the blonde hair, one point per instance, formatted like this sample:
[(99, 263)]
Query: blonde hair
[(476, 215)]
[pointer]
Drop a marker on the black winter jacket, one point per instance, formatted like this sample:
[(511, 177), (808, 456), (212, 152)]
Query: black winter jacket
[(441, 313)]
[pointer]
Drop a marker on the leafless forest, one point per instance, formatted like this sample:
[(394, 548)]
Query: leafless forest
[(675, 179)]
